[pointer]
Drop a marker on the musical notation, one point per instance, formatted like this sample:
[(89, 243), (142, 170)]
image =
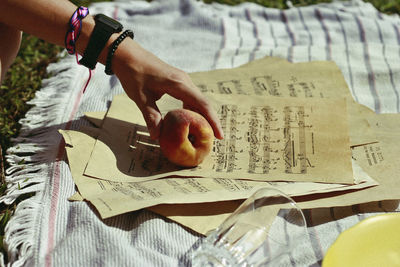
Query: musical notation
[(265, 85), (230, 87), (262, 85), (273, 140), (303, 89), (225, 150), (263, 156), (295, 152)]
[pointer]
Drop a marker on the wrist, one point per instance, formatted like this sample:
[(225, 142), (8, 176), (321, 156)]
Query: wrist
[(87, 28), (114, 47), (86, 32), (124, 60), (99, 38)]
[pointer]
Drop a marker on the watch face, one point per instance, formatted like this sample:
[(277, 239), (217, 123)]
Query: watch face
[(113, 24)]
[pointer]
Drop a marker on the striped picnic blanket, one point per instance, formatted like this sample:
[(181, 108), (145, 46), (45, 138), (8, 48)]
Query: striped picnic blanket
[(49, 230)]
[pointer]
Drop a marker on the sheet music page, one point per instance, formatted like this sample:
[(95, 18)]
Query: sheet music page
[(267, 139), (280, 78), (379, 160), (113, 198)]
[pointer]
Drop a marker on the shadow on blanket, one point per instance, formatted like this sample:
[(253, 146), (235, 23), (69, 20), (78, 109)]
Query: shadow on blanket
[(320, 216)]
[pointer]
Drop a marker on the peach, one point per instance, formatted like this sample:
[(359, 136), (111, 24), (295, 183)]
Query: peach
[(186, 137)]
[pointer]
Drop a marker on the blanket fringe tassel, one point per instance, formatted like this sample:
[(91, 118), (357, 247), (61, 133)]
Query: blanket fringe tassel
[(29, 161)]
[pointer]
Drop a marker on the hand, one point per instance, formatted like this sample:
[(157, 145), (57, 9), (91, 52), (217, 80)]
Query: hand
[(145, 79)]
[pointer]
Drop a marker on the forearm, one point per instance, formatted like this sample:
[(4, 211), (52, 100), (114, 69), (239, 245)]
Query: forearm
[(48, 20), (144, 77), (45, 19)]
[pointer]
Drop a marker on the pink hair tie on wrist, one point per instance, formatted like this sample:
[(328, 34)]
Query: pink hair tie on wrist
[(73, 32)]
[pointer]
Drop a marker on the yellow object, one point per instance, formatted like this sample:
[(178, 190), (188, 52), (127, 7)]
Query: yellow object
[(373, 242)]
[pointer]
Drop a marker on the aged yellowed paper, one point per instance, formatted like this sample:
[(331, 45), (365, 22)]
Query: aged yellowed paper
[(268, 139), (379, 160), (214, 213), (280, 78), (271, 76), (113, 198)]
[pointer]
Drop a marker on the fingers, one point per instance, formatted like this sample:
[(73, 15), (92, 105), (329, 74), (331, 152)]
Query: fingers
[(152, 116), (156, 78), (201, 105), (211, 116), (182, 88)]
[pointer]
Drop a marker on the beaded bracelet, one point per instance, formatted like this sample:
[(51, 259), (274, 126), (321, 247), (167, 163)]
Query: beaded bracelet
[(74, 28), (114, 47)]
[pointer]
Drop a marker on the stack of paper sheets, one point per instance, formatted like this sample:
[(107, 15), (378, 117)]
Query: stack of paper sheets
[(294, 127)]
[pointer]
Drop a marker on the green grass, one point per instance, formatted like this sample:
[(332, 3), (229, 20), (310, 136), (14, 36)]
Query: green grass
[(24, 78)]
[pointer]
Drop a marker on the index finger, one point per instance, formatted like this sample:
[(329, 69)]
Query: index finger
[(211, 116), (193, 99)]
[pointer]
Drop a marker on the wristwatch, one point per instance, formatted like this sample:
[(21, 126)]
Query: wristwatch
[(104, 28)]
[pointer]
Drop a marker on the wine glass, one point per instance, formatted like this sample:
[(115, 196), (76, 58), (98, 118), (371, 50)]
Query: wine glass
[(266, 227)]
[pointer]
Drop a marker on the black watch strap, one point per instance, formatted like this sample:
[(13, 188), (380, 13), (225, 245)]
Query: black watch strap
[(102, 31)]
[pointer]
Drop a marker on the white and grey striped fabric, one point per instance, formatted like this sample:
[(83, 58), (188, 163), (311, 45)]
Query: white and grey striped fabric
[(49, 230)]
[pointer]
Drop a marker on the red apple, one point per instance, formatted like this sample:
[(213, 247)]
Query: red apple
[(186, 137)]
